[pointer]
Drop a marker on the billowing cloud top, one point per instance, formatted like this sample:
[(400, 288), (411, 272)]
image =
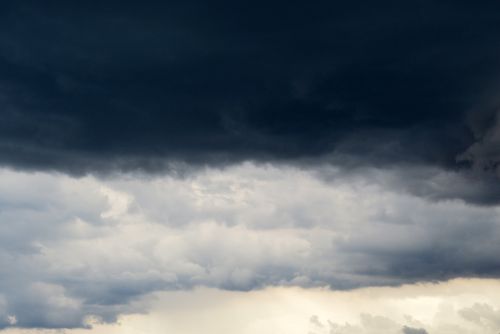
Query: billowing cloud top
[(78, 248)]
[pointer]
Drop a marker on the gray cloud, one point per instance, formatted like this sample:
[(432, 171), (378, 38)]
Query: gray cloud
[(483, 315), (80, 248), (411, 330), (435, 184), (484, 153)]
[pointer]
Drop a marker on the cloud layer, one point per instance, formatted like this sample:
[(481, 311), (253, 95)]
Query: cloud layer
[(86, 247), (240, 145), (94, 87)]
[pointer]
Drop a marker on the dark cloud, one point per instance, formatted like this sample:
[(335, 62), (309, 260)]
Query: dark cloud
[(402, 95), (432, 183), (122, 85)]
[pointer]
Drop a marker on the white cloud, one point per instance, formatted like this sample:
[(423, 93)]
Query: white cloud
[(94, 247)]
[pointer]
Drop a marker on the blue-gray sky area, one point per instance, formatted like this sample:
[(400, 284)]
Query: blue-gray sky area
[(150, 148)]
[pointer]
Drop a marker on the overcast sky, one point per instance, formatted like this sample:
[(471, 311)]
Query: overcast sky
[(250, 167)]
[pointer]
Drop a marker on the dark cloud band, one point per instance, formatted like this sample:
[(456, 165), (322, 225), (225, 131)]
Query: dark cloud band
[(122, 86)]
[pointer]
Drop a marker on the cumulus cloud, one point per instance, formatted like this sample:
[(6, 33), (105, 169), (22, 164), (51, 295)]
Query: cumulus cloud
[(88, 248)]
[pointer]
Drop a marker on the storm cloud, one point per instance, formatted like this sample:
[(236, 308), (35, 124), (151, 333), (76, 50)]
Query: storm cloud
[(152, 147), (128, 86)]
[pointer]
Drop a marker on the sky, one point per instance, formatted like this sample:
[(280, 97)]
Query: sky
[(325, 167)]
